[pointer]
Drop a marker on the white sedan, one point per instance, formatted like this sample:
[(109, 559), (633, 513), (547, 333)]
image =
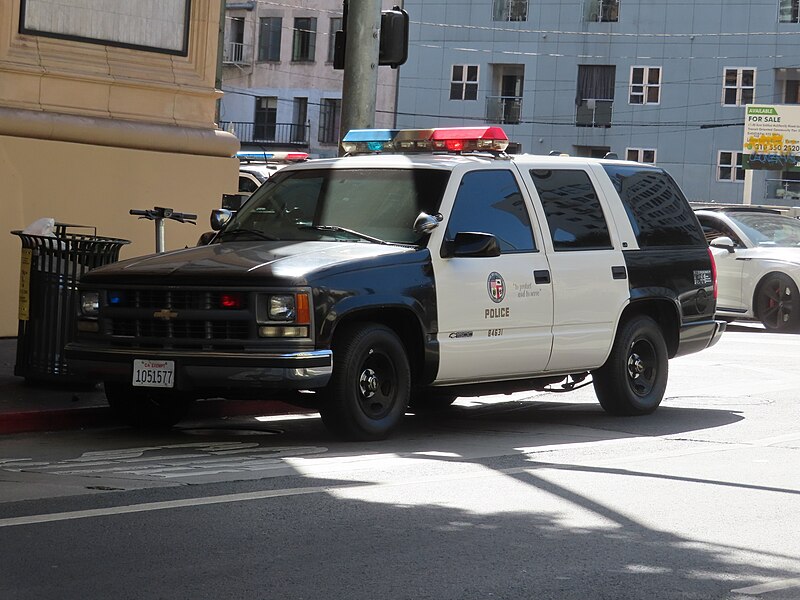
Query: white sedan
[(757, 252)]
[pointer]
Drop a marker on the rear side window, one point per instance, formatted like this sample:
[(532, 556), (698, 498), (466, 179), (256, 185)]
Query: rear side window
[(657, 209), (573, 211)]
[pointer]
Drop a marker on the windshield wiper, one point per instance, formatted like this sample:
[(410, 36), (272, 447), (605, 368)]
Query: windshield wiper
[(352, 232), (244, 230)]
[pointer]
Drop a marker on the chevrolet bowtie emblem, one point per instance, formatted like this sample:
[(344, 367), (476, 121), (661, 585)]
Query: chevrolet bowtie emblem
[(165, 314)]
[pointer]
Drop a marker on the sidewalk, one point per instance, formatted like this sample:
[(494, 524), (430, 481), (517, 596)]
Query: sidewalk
[(39, 407)]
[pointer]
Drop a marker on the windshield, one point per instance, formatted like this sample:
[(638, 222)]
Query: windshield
[(769, 230), (353, 205)]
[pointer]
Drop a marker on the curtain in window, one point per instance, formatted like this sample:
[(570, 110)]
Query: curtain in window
[(595, 81)]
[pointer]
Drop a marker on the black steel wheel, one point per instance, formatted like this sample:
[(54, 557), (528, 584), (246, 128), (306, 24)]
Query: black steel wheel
[(369, 391), (777, 304), (145, 408), (634, 378)]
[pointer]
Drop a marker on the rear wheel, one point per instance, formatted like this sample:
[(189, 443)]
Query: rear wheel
[(634, 378), (369, 391), (777, 304), (144, 408)]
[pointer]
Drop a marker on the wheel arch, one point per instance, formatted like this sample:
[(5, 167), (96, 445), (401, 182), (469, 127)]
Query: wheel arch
[(408, 328), (664, 312)]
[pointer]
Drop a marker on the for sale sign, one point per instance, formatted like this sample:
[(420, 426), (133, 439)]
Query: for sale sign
[(772, 137)]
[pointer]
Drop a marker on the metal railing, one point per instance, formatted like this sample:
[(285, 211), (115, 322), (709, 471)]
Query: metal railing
[(503, 109), (291, 134), (594, 113), (236, 53)]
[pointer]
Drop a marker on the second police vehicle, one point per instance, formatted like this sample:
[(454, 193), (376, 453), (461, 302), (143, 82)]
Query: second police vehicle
[(425, 265)]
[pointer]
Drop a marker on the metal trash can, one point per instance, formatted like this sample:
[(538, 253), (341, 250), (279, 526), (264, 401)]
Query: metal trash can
[(48, 297)]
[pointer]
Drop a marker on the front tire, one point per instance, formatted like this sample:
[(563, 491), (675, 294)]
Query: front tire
[(143, 408), (633, 379), (369, 391), (777, 303)]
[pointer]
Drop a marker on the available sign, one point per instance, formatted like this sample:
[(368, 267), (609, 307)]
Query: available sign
[(772, 137)]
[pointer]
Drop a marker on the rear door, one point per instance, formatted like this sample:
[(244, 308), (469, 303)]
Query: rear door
[(495, 313), (590, 284)]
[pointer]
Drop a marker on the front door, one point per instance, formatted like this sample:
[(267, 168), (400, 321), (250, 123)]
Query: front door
[(494, 312)]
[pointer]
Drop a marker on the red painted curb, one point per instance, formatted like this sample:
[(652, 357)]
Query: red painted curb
[(101, 416)]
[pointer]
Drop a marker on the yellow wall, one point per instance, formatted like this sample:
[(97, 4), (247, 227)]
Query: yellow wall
[(95, 185)]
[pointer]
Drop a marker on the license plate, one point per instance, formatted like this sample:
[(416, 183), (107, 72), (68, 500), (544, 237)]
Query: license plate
[(154, 373)]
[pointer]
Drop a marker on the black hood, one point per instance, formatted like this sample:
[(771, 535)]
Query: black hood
[(242, 261)]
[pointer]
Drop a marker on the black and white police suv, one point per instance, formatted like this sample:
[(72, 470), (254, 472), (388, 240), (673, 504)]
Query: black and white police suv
[(422, 266)]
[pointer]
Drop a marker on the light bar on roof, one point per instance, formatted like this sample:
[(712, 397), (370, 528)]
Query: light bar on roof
[(258, 156), (448, 139), (358, 141)]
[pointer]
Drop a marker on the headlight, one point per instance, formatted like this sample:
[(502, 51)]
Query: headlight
[(90, 304), (282, 308)]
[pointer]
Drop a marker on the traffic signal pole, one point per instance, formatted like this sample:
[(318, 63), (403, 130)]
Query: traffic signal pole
[(360, 86)]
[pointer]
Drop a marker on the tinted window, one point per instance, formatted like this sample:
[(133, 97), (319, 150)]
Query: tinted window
[(491, 202), (656, 207), (573, 212)]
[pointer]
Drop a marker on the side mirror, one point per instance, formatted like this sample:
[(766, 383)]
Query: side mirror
[(220, 218), (471, 244), (723, 242), (425, 223)]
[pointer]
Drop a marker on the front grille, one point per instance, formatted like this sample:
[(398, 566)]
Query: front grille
[(190, 329), (171, 299), (155, 318)]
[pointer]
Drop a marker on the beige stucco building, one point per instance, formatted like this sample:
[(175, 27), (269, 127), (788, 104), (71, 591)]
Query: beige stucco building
[(103, 108)]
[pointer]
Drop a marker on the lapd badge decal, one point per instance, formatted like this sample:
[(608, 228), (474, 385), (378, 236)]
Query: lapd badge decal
[(496, 287)]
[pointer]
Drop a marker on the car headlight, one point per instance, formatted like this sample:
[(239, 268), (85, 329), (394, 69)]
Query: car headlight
[(90, 304), (281, 308)]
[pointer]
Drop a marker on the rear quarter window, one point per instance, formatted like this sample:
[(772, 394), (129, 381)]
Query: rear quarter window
[(657, 209)]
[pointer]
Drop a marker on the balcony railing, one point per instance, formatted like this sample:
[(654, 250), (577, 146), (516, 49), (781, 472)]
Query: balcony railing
[(503, 109), (276, 134), (594, 113), (235, 53)]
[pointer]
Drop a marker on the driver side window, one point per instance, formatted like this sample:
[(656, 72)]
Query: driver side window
[(491, 202)]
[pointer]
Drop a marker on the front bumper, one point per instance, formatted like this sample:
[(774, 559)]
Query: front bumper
[(207, 371), (695, 337)]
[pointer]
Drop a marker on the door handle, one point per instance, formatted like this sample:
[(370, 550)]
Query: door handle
[(619, 273), (542, 276)]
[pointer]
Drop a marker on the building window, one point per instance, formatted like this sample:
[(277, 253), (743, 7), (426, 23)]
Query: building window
[(336, 25), (330, 113), (299, 119), (269, 38), (738, 86), (729, 166), (600, 11), (595, 95), (266, 118), (510, 10), (464, 82), (791, 91), (789, 11), (642, 155), (304, 39), (645, 85)]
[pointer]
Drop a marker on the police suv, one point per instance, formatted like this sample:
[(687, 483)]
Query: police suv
[(425, 265)]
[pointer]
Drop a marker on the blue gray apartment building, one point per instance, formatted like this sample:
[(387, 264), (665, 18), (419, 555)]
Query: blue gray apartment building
[(651, 80)]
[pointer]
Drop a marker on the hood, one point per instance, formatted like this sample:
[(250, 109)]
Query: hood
[(243, 261)]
